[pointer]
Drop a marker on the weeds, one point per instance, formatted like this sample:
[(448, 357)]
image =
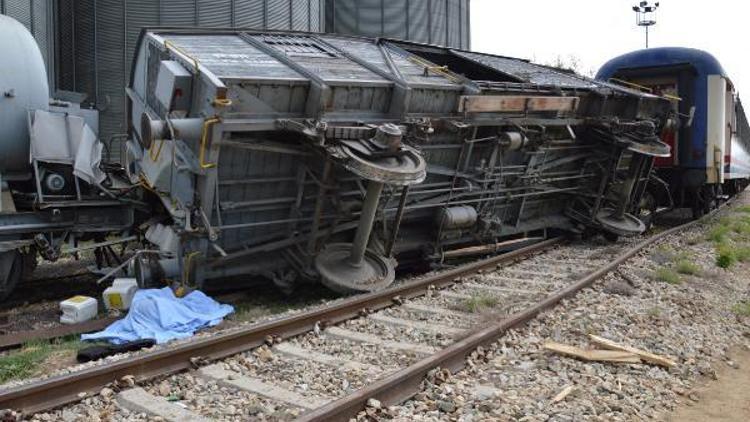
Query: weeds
[(31, 358), (479, 303), (742, 308), (654, 311), (686, 267), (667, 275), (742, 252), (719, 234), (726, 256), (744, 208)]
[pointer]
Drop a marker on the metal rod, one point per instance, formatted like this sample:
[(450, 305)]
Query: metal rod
[(397, 221), (312, 244), (366, 221)]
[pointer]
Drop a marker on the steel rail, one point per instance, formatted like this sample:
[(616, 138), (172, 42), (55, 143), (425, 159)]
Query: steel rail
[(57, 391), (402, 385)]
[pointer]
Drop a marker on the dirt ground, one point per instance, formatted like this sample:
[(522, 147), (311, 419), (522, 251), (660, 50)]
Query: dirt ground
[(726, 399)]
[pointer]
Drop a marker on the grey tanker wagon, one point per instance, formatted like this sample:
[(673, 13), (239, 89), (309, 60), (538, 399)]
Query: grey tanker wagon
[(304, 157)]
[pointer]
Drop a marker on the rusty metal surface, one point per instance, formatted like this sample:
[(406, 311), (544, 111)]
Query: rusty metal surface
[(57, 391), (402, 385)]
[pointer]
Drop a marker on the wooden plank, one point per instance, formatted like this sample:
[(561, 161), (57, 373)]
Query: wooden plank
[(612, 356), (515, 103), (563, 394), (553, 104), (646, 356), (17, 339)]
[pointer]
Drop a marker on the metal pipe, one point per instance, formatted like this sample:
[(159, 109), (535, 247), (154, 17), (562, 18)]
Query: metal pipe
[(312, 245), (366, 221), (397, 221)]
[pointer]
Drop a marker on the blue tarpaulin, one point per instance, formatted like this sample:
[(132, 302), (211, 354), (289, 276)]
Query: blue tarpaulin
[(158, 314)]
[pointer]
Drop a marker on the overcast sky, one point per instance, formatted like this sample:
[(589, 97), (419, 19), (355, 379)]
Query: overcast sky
[(597, 30)]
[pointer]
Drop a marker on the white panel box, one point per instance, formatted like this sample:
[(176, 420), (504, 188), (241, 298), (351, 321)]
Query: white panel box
[(174, 86), (78, 309)]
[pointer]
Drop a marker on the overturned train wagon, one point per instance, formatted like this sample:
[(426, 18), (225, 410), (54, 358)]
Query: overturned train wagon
[(305, 157)]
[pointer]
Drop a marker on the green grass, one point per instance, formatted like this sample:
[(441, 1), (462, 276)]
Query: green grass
[(30, 359), (744, 208), (667, 275), (654, 311), (741, 227), (720, 233), (687, 267), (479, 303), (742, 308), (726, 256), (742, 252)]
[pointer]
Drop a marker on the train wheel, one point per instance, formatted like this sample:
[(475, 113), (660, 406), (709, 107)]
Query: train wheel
[(11, 269)]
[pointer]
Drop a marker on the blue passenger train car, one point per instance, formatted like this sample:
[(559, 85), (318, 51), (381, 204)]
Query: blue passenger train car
[(710, 137)]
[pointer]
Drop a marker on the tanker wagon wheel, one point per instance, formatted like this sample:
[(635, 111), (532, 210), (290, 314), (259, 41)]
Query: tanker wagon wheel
[(11, 270)]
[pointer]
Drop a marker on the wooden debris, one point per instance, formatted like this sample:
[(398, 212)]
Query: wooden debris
[(593, 355), (563, 394), (646, 356)]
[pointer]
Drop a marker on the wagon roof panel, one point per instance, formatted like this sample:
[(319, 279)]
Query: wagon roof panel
[(528, 72), (373, 53), (323, 61), (231, 57)]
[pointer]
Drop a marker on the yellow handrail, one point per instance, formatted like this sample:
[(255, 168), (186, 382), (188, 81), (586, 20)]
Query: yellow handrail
[(204, 140), (169, 44), (631, 84), (158, 151)]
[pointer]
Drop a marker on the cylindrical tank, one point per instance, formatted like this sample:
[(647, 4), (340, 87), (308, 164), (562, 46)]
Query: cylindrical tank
[(441, 22), (37, 17), (97, 39), (23, 87)]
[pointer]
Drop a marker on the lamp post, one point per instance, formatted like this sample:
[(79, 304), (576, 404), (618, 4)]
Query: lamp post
[(645, 15)]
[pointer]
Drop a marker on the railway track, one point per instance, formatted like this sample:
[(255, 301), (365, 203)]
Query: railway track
[(327, 363)]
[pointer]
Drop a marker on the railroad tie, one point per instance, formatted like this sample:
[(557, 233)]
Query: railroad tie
[(345, 334), (325, 359), (436, 310), (542, 276), (417, 325), (539, 274), (256, 386), (502, 290), (141, 401)]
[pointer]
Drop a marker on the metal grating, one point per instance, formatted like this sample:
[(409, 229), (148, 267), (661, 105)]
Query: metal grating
[(300, 15), (249, 14), (35, 16), (20, 10), (178, 12), (278, 14), (418, 24), (442, 22), (215, 13), (112, 33), (369, 18), (111, 72), (395, 18), (438, 22)]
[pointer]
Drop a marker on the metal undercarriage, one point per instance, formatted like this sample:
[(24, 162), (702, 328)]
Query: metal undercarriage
[(304, 157)]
